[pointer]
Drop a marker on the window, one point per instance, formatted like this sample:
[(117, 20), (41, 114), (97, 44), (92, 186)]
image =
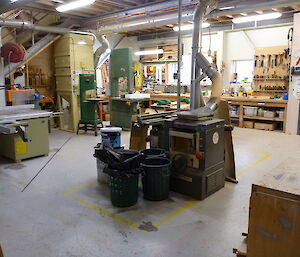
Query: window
[(243, 70)]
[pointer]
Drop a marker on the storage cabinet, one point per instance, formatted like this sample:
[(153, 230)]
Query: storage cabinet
[(268, 114)]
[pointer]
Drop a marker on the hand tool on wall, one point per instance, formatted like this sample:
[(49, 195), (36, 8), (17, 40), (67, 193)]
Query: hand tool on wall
[(256, 60), (262, 61)]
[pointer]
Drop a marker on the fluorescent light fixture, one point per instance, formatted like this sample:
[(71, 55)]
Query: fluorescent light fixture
[(191, 26), (226, 8), (149, 52), (74, 5), (268, 16)]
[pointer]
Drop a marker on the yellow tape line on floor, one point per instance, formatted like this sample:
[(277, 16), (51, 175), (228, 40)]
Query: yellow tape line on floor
[(175, 213), (109, 214), (159, 223), (253, 165)]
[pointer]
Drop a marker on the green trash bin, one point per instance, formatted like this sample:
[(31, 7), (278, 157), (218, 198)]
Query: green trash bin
[(156, 180), (124, 190)]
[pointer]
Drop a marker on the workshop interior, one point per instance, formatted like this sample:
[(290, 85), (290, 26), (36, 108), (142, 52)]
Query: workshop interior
[(151, 128)]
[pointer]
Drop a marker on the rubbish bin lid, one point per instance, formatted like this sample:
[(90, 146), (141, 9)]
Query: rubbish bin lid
[(111, 129)]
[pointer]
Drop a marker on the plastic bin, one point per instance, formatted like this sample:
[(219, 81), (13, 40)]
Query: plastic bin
[(250, 111), (280, 114), (101, 176), (269, 114), (153, 152), (156, 179), (124, 191), (111, 136)]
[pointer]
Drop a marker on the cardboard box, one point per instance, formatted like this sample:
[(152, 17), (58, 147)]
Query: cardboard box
[(265, 126), (248, 124)]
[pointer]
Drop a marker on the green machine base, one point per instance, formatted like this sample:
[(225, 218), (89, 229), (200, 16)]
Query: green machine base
[(14, 148), (89, 120), (123, 111)]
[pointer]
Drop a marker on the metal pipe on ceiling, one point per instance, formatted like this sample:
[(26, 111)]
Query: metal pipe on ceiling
[(10, 5), (196, 94), (151, 19), (54, 30), (179, 55)]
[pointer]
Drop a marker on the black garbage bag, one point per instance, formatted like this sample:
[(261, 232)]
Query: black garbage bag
[(101, 154), (121, 159), (123, 174)]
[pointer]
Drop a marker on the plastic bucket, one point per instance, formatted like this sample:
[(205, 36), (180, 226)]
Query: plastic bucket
[(156, 180), (153, 152), (124, 191), (111, 136)]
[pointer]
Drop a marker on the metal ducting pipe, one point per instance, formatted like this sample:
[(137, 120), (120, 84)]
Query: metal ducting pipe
[(196, 94), (145, 21), (55, 30), (215, 76), (104, 46), (49, 29)]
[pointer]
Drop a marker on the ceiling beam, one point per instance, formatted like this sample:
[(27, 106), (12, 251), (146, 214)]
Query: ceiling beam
[(8, 5)]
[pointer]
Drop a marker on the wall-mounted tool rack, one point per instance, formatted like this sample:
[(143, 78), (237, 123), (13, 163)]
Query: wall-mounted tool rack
[(271, 71)]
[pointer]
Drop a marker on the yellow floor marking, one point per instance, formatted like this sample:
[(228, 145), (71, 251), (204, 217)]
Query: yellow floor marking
[(159, 223), (174, 214), (107, 213), (82, 186), (243, 171)]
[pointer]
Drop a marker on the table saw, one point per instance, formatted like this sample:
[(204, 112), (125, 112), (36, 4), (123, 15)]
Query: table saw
[(24, 132)]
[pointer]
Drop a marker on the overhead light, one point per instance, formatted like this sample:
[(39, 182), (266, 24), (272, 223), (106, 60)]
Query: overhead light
[(268, 16), (149, 52), (74, 5), (191, 26), (226, 8)]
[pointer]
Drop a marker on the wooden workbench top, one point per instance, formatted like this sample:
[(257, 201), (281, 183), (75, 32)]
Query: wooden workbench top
[(255, 100), (167, 96)]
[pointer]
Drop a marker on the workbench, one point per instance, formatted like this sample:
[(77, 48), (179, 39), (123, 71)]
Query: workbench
[(257, 102), (170, 107), (167, 96)]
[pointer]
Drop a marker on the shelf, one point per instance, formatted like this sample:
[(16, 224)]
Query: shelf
[(262, 118), (234, 116), (275, 91), (159, 61), (271, 79)]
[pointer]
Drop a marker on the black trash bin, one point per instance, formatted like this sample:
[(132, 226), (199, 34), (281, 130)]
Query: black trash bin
[(156, 178), (154, 152), (124, 169), (124, 190)]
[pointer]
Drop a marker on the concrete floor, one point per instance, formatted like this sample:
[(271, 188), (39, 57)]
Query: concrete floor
[(65, 213)]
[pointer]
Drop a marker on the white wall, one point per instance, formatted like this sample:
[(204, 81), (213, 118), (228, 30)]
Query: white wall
[(241, 45), (294, 87), (230, 45)]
